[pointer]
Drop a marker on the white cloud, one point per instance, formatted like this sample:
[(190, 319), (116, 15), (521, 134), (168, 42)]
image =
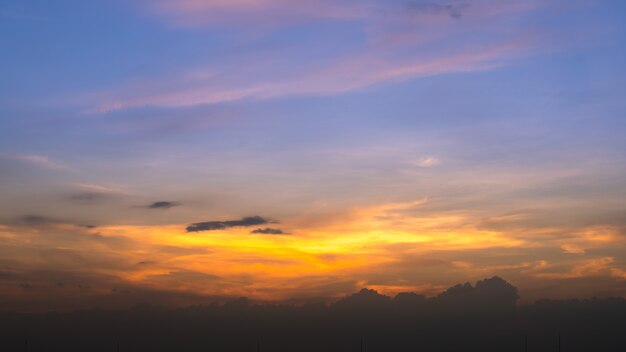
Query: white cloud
[(428, 161)]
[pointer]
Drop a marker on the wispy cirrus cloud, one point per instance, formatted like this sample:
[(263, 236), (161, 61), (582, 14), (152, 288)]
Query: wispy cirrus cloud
[(35, 159), (276, 13), (257, 12), (92, 193), (343, 76), (427, 161), (404, 40), (91, 187)]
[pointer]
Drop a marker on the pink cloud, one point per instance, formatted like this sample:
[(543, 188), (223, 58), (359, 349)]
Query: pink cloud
[(265, 12), (349, 74), (404, 41), (284, 12)]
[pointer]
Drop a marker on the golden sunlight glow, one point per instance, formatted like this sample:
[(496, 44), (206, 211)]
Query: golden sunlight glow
[(363, 241)]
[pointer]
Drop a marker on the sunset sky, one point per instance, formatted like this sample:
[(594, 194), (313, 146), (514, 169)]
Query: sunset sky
[(177, 151)]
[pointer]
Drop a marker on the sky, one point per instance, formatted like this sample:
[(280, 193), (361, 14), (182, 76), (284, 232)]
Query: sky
[(180, 151)]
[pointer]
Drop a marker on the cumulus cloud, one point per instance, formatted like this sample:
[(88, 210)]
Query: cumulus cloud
[(163, 205), (268, 231), (221, 225)]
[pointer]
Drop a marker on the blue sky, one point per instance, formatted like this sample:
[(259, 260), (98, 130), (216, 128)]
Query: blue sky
[(405, 127)]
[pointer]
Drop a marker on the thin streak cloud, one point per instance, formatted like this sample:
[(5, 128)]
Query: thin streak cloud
[(271, 13), (37, 160), (428, 161), (403, 41), (163, 205), (268, 231), (277, 13), (222, 225), (345, 76)]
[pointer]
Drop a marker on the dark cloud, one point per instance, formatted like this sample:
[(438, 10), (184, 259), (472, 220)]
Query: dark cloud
[(269, 231), (122, 291), (221, 225), (365, 297), (87, 197), (453, 10), (60, 290), (37, 220), (366, 320), (163, 205), (40, 221), (4, 275)]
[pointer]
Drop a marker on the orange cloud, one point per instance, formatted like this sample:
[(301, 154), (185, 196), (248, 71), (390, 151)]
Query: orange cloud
[(326, 259)]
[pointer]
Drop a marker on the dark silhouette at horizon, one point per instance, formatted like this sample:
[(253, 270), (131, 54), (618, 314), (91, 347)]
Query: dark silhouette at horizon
[(484, 317)]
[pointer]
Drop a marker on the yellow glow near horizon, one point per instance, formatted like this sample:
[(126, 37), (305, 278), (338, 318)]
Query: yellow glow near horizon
[(381, 246), (364, 241)]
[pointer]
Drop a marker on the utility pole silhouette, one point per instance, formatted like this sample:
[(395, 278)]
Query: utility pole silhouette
[(559, 342), (525, 343)]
